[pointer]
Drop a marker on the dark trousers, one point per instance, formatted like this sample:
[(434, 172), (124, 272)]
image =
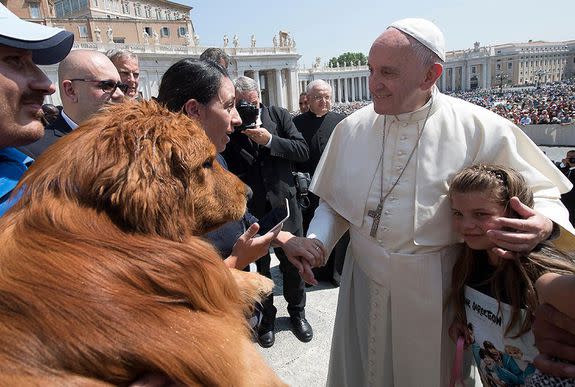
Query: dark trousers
[(293, 288)]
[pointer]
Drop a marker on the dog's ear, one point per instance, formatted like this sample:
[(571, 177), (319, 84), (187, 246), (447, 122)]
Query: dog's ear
[(146, 190)]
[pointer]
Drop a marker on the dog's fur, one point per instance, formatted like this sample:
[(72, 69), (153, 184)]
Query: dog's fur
[(102, 275)]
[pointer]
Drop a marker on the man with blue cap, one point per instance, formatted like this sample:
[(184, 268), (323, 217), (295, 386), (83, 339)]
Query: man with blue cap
[(23, 46), (384, 176)]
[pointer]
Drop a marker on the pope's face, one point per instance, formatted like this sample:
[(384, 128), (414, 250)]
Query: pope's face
[(396, 75)]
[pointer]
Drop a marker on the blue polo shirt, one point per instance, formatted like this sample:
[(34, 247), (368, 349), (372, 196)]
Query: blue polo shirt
[(13, 164)]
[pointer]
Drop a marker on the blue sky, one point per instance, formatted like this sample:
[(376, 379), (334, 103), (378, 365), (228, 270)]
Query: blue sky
[(327, 28)]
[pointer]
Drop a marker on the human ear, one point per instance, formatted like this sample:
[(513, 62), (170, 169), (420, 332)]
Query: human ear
[(69, 90), (192, 108), (433, 73)]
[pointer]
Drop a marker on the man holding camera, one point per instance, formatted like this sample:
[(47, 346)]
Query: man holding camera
[(568, 170), (261, 153)]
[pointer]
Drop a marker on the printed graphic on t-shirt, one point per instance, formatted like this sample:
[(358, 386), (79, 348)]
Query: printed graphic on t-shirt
[(501, 360)]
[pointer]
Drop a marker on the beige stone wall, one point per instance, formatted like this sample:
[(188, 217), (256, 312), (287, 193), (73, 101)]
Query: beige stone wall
[(131, 31)]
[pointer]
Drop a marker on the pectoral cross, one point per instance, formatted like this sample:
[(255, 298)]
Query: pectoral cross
[(376, 215)]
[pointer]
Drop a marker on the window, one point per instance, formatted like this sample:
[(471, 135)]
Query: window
[(148, 30), (165, 32), (509, 66), (35, 10), (83, 31), (182, 31)]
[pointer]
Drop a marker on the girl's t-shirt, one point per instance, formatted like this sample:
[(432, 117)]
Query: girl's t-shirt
[(501, 359)]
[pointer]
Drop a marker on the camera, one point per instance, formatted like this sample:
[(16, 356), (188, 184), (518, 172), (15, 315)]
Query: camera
[(302, 181), (248, 113)]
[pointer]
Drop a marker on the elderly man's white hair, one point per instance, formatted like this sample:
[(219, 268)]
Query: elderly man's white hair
[(245, 84), (319, 84)]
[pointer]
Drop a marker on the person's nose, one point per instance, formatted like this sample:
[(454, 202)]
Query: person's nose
[(40, 82), (235, 118), (118, 96), (468, 224)]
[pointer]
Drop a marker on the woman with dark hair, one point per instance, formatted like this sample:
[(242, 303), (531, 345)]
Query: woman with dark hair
[(203, 90)]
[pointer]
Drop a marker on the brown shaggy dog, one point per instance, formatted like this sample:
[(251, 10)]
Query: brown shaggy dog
[(102, 277)]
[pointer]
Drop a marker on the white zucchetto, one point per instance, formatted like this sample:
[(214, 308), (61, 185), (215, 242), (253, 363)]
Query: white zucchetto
[(423, 31)]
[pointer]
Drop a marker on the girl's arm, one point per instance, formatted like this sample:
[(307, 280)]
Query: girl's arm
[(557, 290)]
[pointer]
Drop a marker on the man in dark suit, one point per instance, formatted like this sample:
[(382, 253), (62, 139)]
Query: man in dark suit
[(262, 156), (568, 170), (87, 80), (316, 126)]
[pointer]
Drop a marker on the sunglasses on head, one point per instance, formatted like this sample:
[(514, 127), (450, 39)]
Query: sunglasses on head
[(107, 86)]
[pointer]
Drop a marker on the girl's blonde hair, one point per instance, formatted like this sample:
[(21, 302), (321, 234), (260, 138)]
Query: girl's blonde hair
[(513, 279)]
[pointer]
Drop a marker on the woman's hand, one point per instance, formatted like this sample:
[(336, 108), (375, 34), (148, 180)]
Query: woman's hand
[(458, 329), (249, 247)]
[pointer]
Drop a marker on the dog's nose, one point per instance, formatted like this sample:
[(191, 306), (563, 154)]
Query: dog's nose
[(249, 193)]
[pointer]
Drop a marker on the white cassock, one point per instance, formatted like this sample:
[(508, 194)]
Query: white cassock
[(391, 324)]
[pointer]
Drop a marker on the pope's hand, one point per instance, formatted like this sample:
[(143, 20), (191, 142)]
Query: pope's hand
[(515, 236)]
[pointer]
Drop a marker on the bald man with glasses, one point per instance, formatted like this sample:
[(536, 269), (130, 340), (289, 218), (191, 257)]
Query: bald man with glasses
[(87, 80)]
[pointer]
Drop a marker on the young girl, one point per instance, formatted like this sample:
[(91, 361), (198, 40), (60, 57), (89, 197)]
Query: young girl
[(494, 298)]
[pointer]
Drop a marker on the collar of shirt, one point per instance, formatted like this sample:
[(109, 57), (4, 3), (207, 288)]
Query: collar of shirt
[(69, 121)]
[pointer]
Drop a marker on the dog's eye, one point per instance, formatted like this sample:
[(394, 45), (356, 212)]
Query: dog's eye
[(208, 164)]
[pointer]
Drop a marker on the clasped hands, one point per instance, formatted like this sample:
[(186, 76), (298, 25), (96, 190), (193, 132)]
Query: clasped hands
[(304, 254)]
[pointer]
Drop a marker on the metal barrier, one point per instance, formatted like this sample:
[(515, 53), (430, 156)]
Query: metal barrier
[(551, 134)]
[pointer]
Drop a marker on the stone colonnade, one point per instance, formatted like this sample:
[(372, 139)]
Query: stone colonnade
[(274, 68), (349, 84)]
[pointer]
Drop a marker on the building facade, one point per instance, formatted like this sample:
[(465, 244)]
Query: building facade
[(161, 33), (511, 64), (492, 67)]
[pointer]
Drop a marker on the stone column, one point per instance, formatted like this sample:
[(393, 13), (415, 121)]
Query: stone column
[(339, 92), (279, 88), (352, 89), (367, 93), (488, 74), (257, 79), (293, 95), (453, 79), (443, 80), (360, 88)]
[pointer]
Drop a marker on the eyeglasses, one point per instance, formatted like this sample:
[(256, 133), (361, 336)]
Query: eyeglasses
[(320, 97), (106, 86)]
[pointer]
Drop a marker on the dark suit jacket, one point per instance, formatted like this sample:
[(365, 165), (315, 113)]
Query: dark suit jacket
[(568, 198), (267, 171), (52, 133)]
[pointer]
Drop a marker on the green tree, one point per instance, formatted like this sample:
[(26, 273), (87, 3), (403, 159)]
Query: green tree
[(348, 58)]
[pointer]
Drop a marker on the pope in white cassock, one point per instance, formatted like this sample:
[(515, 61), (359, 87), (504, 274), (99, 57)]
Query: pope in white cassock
[(384, 176)]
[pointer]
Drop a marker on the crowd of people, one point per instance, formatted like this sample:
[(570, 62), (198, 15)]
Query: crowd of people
[(380, 197), (549, 104)]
